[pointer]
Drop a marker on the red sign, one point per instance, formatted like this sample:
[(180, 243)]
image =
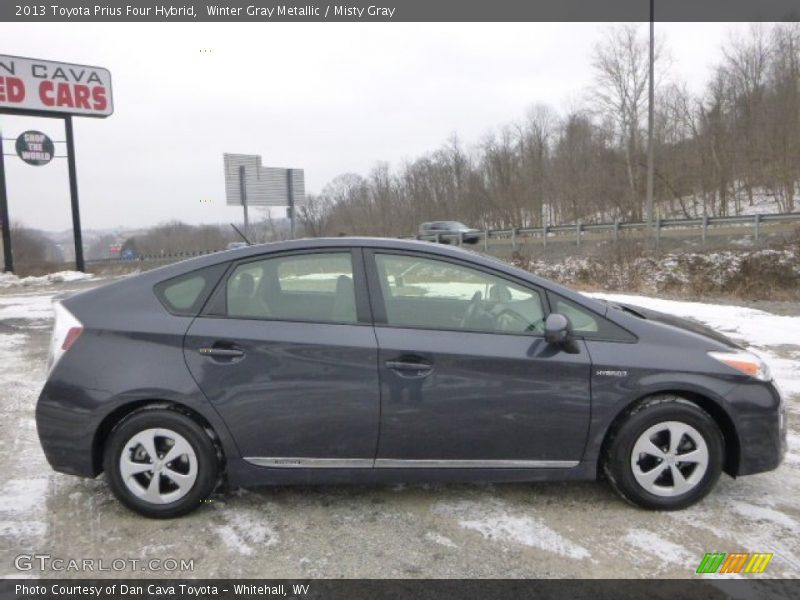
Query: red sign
[(28, 84)]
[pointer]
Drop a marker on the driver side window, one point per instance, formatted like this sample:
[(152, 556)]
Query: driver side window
[(436, 294)]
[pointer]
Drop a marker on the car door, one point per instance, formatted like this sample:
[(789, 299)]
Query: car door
[(467, 379), (286, 353)]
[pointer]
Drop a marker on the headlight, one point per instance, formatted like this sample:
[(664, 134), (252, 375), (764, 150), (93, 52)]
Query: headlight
[(744, 362)]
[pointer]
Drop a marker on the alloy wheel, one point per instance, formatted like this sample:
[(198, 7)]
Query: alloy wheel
[(669, 459), (158, 465)]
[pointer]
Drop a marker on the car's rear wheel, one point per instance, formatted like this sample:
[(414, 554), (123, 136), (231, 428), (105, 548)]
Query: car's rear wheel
[(667, 454), (160, 463)]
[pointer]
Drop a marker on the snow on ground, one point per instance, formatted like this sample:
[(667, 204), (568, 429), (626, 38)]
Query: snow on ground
[(33, 307), (442, 540), (496, 521), (10, 280), (654, 544), (246, 533)]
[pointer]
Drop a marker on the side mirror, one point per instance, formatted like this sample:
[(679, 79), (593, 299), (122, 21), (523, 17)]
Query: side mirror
[(557, 329)]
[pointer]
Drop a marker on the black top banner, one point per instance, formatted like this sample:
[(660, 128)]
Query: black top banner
[(397, 10)]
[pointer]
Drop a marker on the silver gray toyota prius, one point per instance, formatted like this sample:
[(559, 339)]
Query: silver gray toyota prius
[(355, 360)]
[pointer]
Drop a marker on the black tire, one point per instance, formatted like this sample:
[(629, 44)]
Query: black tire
[(651, 413), (205, 453)]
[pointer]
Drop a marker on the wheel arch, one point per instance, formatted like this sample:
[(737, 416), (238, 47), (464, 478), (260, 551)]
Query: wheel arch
[(119, 414), (720, 416)]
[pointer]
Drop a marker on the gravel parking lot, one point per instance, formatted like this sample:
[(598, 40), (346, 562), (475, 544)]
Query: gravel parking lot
[(516, 530)]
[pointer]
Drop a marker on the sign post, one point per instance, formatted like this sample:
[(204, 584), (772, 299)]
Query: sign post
[(73, 195), (8, 258), (290, 201), (248, 183), (243, 195), (43, 88)]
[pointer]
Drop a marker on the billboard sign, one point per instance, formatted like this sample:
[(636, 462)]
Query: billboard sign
[(264, 186), (29, 84), (35, 148)]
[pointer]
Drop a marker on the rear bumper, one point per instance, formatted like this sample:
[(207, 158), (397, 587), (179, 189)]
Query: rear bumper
[(761, 423), (67, 431)]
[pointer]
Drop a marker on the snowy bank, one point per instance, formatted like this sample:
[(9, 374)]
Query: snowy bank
[(747, 274), (10, 280)]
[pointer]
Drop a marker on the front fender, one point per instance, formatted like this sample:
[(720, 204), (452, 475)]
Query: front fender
[(613, 395)]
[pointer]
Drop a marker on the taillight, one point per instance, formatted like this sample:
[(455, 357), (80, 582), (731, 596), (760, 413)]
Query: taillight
[(72, 335), (66, 331)]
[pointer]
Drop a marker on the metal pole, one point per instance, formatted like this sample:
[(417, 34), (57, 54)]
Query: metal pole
[(243, 195), (73, 193), (658, 231), (290, 208), (7, 254), (757, 218), (650, 109)]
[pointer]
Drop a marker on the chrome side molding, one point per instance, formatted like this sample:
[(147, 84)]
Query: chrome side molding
[(394, 463), (285, 462)]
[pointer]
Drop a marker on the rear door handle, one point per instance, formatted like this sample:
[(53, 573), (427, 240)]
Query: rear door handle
[(221, 352), (409, 368)]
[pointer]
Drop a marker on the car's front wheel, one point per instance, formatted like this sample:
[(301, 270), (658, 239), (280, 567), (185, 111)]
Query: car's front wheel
[(160, 463), (667, 454)]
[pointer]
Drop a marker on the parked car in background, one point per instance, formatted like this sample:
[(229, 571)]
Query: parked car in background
[(448, 232), (376, 360)]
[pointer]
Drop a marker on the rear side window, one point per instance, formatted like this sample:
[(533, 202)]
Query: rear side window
[(185, 295), (587, 324), (314, 287)]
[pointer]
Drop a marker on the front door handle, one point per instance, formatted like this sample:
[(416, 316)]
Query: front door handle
[(221, 352)]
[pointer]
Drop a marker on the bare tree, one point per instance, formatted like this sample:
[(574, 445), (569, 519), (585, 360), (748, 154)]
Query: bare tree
[(315, 214), (621, 65), (739, 137)]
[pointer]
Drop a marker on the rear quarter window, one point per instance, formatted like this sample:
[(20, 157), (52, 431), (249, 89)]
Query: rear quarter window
[(185, 294)]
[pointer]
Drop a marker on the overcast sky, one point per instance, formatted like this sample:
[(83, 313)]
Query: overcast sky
[(329, 98)]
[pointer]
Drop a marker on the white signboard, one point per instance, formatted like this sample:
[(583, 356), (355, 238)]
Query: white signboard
[(29, 84), (264, 186)]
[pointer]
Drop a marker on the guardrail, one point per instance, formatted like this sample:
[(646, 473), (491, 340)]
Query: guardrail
[(164, 257), (516, 234), (659, 225)]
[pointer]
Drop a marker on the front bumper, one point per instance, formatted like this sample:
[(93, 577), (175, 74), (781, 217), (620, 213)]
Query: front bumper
[(761, 423)]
